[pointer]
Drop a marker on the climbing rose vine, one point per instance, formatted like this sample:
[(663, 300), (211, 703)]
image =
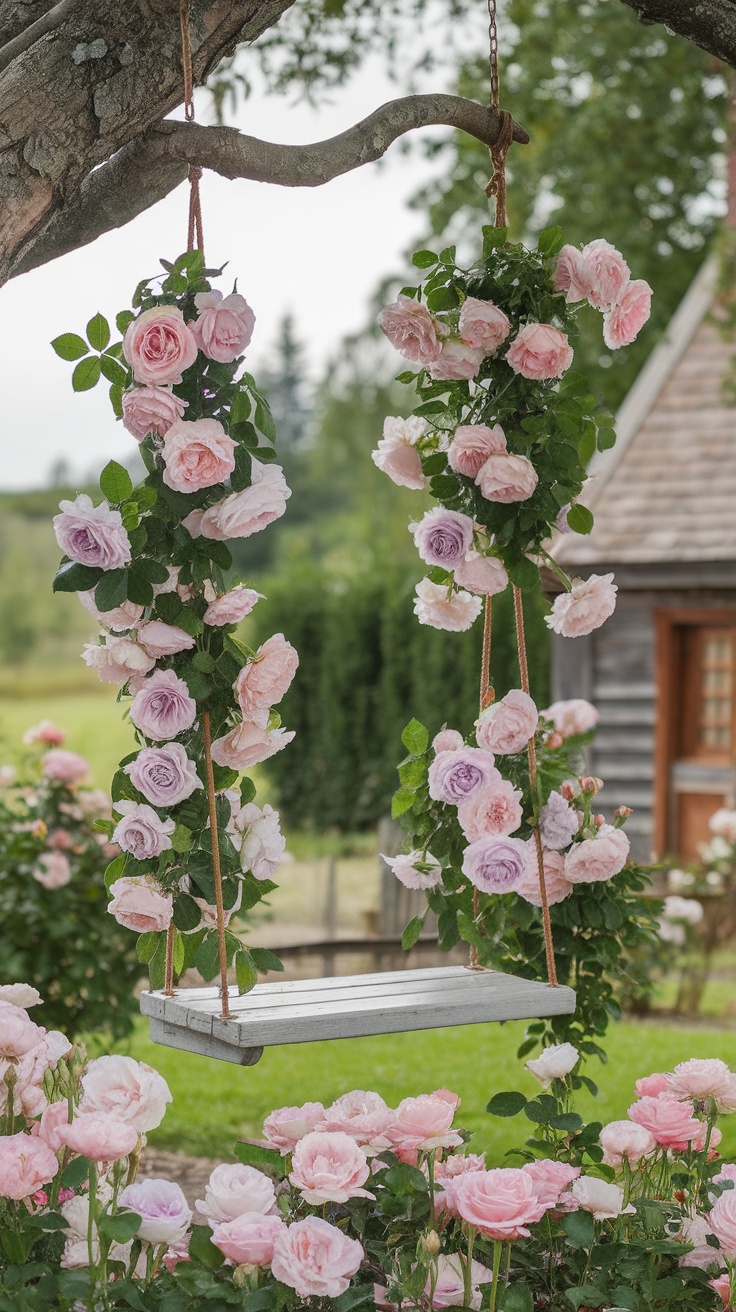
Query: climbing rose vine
[(149, 565)]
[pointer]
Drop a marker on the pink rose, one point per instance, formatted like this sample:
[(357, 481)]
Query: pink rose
[(572, 717), (482, 324), (722, 1221), (248, 744), (447, 1171), (316, 1258), (423, 1123), (471, 446), (125, 616), (99, 1136), (700, 1078), (18, 1033), (128, 1089), (165, 775), (604, 1201), (267, 676), (443, 537), (502, 1203), (197, 455), (117, 659), (415, 869), (456, 361), (606, 273), (329, 1168), (411, 329), (243, 513), (249, 1238), (651, 1086), (162, 1207), (722, 821), (55, 1115), (485, 575), (138, 903), (458, 773), (232, 607), (670, 1121), (494, 809), (285, 1126), (159, 346), (447, 1284), (506, 478), (224, 326), (539, 351), (160, 639), (453, 611), (92, 535), (625, 1140), (495, 864), (722, 1285), (507, 725), (571, 275), (622, 322), (235, 1189), (551, 1179), (26, 1164), (151, 410), (362, 1115), (45, 732), (53, 870), (597, 858), (447, 740), (141, 832), (585, 607), (556, 886), (163, 709), (396, 453)]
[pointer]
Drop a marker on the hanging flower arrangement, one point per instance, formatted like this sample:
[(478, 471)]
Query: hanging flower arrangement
[(149, 565)]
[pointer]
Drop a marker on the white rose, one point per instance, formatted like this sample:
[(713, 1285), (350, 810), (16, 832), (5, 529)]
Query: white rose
[(554, 1063), (603, 1200)]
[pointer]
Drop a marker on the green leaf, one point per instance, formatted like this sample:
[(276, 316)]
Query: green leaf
[(204, 662), (115, 394), (402, 801), (151, 570), (415, 738), (580, 519), (115, 482), (207, 958), (469, 931), (424, 259), (252, 1154), (187, 914), (86, 374), (70, 346), (246, 971), (412, 932), (189, 622), (75, 1173), (569, 1121), (202, 1249), (121, 1227), (550, 241), (98, 332), (115, 870), (523, 573), (266, 960), (264, 420), (492, 238), (123, 319), (247, 791), (72, 577), (413, 773), (443, 298), (146, 946), (506, 1104), (352, 1299), (157, 964), (579, 1229), (112, 589), (448, 255), (181, 839), (606, 438), (138, 587), (517, 1298), (405, 1179)]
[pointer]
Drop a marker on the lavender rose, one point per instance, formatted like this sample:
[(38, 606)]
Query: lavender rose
[(495, 865), (443, 537), (92, 535), (141, 832), (165, 775), (162, 1207), (163, 709), (454, 775), (558, 823)]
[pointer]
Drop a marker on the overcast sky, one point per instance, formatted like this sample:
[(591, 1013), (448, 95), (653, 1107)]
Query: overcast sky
[(317, 252)]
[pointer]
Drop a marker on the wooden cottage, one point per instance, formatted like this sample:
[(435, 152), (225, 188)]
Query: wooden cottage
[(662, 669)]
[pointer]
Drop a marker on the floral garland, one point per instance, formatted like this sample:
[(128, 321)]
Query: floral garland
[(359, 1204), (501, 438), (149, 564)]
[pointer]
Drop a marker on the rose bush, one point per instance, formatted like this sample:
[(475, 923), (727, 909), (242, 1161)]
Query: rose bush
[(149, 565), (53, 928), (359, 1205)]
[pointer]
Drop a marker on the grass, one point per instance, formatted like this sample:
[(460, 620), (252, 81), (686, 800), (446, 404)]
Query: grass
[(92, 720), (216, 1103)]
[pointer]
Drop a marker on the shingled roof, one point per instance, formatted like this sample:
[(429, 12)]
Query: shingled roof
[(667, 491)]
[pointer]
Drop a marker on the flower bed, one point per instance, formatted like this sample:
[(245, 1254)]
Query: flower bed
[(361, 1205)]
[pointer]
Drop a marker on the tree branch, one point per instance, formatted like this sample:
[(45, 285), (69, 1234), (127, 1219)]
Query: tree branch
[(710, 24), (148, 169)]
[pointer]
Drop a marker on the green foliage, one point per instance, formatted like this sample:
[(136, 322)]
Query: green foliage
[(365, 666), (61, 940)]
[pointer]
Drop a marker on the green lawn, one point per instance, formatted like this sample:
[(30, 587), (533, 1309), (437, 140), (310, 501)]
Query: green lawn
[(216, 1103), (93, 723)]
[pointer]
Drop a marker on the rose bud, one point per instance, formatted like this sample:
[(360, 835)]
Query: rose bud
[(430, 1244), (622, 813), (554, 741), (599, 820), (568, 790), (590, 784)]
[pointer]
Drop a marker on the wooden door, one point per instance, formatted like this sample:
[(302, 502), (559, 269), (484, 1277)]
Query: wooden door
[(696, 726)]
